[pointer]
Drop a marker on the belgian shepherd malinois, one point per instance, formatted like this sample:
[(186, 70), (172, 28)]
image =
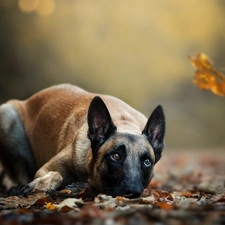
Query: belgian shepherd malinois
[(64, 134)]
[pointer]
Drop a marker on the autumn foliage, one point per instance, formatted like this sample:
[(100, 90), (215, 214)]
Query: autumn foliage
[(206, 77), (188, 188)]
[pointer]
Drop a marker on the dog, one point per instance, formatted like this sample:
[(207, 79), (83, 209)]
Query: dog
[(64, 134)]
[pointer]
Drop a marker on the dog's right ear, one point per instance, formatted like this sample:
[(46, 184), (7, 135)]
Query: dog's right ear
[(155, 131), (100, 123)]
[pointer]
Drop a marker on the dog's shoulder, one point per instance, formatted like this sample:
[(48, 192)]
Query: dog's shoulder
[(55, 93)]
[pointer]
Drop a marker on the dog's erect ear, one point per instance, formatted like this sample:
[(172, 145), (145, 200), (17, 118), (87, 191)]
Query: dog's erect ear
[(155, 131), (99, 123)]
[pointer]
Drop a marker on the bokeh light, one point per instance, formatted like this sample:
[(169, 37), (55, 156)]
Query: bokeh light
[(42, 7), (136, 50), (28, 6)]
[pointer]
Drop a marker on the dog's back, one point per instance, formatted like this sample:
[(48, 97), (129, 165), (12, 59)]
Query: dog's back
[(59, 111)]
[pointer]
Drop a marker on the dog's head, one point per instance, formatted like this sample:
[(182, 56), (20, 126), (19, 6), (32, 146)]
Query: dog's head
[(122, 163)]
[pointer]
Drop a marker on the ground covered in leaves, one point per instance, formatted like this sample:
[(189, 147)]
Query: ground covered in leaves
[(188, 188)]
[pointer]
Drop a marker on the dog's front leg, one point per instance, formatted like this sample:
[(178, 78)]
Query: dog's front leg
[(52, 174), (50, 181)]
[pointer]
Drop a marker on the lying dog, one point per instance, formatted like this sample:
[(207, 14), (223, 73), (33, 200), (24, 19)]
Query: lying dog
[(65, 134)]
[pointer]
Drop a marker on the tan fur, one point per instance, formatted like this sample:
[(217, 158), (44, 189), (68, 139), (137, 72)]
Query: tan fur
[(55, 121), (69, 105)]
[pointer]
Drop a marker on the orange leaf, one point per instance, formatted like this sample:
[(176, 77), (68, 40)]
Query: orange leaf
[(206, 77), (50, 206), (165, 206)]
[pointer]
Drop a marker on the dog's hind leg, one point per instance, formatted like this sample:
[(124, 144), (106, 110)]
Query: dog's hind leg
[(16, 154)]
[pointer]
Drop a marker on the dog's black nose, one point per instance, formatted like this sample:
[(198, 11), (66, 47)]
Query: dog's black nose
[(132, 188), (133, 191)]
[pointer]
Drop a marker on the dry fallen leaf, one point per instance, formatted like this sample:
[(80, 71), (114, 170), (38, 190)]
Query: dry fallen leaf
[(186, 194), (162, 196), (192, 191), (218, 198), (37, 199), (66, 205), (50, 206), (165, 206), (206, 77), (66, 191)]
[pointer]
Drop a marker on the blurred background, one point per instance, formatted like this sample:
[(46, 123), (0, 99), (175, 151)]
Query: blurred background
[(136, 50)]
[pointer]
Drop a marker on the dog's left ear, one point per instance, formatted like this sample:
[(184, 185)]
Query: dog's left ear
[(100, 123), (155, 131)]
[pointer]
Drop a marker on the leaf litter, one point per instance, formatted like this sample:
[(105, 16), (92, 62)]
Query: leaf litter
[(188, 188)]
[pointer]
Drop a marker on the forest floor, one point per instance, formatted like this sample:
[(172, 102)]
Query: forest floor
[(188, 188)]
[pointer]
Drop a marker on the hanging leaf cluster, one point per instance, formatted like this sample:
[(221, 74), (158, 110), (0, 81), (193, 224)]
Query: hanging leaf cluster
[(206, 77)]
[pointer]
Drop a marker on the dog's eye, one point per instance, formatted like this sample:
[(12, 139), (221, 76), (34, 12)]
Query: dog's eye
[(147, 162), (116, 156)]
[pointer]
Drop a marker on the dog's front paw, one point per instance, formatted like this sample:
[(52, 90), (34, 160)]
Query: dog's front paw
[(26, 190), (50, 181)]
